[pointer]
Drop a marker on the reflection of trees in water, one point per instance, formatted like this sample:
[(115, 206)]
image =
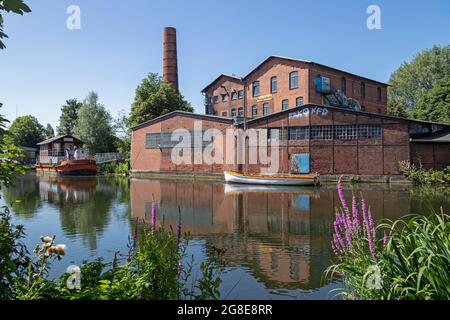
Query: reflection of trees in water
[(85, 204), (23, 197)]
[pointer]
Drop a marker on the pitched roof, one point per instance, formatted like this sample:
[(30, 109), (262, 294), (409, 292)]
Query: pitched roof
[(229, 77), (182, 113), (57, 138)]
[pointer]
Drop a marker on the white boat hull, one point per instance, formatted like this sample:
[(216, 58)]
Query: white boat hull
[(282, 181)]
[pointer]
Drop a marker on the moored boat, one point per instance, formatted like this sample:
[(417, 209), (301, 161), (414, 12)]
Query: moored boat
[(275, 179), (64, 156)]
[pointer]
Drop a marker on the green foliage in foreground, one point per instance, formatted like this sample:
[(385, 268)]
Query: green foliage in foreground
[(413, 263), (15, 6), (418, 175), (152, 269)]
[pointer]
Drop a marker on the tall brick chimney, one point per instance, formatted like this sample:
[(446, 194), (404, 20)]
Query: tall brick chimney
[(170, 64)]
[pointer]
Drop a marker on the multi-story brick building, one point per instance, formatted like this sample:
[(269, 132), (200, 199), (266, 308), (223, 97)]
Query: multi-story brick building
[(280, 83)]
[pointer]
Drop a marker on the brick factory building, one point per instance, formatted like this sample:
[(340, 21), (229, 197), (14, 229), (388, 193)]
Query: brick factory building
[(327, 121)]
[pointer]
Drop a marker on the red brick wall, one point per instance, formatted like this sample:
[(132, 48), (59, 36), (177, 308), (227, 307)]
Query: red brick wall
[(431, 155), (217, 90)]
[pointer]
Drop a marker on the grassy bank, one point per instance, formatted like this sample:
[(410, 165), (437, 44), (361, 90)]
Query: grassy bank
[(403, 259)]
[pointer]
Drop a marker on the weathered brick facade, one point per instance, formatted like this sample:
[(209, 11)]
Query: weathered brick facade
[(371, 95), (337, 141)]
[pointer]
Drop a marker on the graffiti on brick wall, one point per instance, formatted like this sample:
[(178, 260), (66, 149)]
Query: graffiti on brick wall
[(320, 111)]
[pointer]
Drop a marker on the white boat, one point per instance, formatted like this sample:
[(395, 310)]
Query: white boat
[(276, 179)]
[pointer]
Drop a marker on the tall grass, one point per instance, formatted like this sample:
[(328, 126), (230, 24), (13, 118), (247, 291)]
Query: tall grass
[(404, 259)]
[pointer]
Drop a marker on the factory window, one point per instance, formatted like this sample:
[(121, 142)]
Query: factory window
[(152, 140), (233, 112), (216, 99), (293, 80), (378, 94), (254, 111), (321, 132), (277, 134), (299, 101), (234, 95), (224, 98), (224, 113), (240, 94), (273, 84), (343, 85), (255, 88), (345, 132), (363, 90), (298, 133), (241, 112), (284, 104), (369, 131), (265, 109)]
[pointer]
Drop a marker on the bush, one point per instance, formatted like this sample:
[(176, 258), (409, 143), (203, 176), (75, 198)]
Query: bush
[(405, 259), (152, 269), (119, 168), (418, 175)]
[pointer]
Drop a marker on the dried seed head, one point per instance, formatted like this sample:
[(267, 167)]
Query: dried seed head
[(46, 239)]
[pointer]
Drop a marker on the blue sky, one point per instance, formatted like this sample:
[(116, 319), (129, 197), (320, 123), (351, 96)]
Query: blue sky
[(119, 42)]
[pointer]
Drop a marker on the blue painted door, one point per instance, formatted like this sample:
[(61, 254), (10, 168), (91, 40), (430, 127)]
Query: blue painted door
[(300, 163)]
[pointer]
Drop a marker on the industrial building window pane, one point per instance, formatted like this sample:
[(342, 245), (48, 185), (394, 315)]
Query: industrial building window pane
[(369, 131), (216, 99), (240, 94), (343, 85), (152, 140), (265, 109), (254, 111), (273, 84), (233, 112), (298, 133), (224, 98), (234, 95), (345, 132), (299, 101), (321, 132), (277, 133), (224, 113), (256, 90), (363, 90), (379, 94), (293, 80), (241, 112), (284, 104)]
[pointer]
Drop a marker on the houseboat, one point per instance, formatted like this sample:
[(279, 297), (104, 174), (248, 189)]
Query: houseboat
[(64, 156)]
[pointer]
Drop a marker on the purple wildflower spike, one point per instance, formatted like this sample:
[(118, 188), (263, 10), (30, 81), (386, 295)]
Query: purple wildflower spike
[(153, 216)]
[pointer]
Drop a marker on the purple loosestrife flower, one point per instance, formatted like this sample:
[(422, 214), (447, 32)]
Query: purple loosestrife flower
[(385, 240), (341, 196), (337, 232), (355, 216), (369, 233), (153, 216)]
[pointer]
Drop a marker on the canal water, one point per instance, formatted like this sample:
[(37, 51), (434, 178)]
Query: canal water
[(275, 241)]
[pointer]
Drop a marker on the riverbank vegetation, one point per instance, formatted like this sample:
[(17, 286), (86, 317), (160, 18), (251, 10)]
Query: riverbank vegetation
[(403, 259), (152, 268), (419, 175), (117, 168)]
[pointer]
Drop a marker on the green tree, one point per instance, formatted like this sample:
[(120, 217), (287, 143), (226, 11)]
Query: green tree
[(49, 132), (123, 133), (9, 166), (26, 131), (411, 81), (15, 6), (69, 116), (153, 98), (435, 104), (94, 126), (395, 108)]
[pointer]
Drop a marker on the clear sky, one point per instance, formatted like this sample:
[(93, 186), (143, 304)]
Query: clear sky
[(119, 42)]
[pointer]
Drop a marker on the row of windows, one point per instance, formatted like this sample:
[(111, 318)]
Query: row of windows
[(164, 140), (293, 84), (328, 132), (266, 109), (235, 95)]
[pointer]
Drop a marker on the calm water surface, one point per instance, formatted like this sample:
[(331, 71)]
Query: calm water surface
[(276, 240)]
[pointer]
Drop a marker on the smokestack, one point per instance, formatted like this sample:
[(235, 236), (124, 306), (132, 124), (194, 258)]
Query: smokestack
[(170, 64)]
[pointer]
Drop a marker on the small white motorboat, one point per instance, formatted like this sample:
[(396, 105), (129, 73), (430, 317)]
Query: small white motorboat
[(276, 179)]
